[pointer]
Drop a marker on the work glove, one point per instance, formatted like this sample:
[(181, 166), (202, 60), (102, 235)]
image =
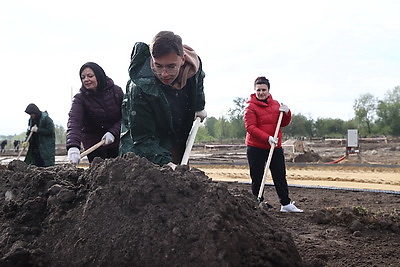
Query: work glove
[(74, 155), (109, 137), (202, 114), (284, 108), (272, 140), (34, 128), (172, 165), (25, 144)]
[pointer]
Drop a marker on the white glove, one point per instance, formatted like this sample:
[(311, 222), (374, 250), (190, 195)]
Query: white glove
[(202, 114), (34, 128), (172, 165), (272, 140), (109, 137), (284, 108), (74, 155), (25, 144)]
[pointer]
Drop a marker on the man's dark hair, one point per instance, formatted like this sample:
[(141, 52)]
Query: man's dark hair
[(262, 80), (166, 42)]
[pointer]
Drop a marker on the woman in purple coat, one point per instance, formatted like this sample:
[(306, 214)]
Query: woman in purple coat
[(95, 115)]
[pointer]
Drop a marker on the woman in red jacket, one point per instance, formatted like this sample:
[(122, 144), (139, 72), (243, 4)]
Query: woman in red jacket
[(261, 118)]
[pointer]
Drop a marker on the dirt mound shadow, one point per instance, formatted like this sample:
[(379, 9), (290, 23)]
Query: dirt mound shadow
[(130, 212)]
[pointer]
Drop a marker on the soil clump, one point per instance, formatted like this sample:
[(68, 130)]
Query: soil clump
[(130, 212)]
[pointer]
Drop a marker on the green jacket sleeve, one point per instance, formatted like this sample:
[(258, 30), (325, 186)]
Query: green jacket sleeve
[(140, 125)]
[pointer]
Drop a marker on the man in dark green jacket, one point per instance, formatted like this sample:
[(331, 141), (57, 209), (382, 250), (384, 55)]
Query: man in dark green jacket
[(41, 151), (163, 97)]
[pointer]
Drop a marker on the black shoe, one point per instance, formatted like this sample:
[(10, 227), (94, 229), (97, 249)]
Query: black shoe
[(265, 204)]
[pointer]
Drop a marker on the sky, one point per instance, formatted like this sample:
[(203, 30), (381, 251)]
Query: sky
[(320, 56)]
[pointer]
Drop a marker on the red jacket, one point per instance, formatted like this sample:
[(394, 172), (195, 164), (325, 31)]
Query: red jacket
[(261, 119)]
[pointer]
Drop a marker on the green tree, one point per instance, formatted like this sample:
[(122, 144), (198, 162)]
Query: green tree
[(203, 136), (211, 126), (60, 133), (330, 127), (299, 126), (388, 112), (236, 118), (364, 109), (222, 129)]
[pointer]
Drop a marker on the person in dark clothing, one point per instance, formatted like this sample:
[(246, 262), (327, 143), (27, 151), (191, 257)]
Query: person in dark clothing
[(16, 145), (3, 145), (95, 115), (163, 97), (41, 151)]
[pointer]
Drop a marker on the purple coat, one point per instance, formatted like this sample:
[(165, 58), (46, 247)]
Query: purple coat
[(92, 114)]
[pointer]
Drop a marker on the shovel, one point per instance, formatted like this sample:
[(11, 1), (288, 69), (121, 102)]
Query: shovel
[(23, 148), (92, 148), (190, 141), (271, 151)]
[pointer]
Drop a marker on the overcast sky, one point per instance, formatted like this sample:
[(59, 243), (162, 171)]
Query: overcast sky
[(318, 55)]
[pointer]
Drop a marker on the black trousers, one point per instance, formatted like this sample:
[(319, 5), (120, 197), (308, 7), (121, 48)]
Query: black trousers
[(257, 158), (39, 162), (104, 153)]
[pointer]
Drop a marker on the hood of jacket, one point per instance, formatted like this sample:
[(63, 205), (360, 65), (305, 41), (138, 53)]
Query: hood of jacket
[(32, 109), (253, 99)]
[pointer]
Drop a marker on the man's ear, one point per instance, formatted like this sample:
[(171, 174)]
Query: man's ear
[(183, 59)]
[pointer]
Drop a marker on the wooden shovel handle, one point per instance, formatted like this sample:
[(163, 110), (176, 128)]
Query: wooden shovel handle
[(23, 148), (190, 141), (271, 151), (92, 148)]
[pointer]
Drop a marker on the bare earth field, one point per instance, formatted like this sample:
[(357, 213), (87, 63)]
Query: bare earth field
[(351, 208), (125, 209)]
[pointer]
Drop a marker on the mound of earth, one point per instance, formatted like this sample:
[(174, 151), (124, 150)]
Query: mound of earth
[(130, 212), (307, 156)]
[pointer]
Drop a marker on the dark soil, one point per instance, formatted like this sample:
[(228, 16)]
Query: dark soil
[(341, 227), (129, 212)]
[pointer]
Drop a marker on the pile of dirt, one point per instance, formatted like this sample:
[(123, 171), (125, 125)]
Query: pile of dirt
[(308, 156), (128, 211)]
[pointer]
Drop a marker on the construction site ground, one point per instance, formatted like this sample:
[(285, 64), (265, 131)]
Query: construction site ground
[(351, 211)]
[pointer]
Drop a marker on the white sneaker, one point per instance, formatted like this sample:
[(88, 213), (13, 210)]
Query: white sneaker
[(290, 208)]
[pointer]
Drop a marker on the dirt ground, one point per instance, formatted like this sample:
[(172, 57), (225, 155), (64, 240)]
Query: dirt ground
[(351, 207), (129, 212)]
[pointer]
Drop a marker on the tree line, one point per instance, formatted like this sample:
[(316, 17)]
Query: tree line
[(373, 117)]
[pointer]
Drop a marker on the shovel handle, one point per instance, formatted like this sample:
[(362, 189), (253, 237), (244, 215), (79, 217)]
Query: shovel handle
[(190, 141), (271, 151), (23, 148), (92, 148)]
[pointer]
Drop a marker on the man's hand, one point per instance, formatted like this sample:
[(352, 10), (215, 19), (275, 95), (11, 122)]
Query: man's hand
[(34, 129), (284, 108), (25, 144), (74, 155), (109, 137), (272, 140), (202, 114)]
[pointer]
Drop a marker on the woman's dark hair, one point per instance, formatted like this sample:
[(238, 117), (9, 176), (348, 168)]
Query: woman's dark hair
[(98, 72), (166, 42), (262, 80)]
